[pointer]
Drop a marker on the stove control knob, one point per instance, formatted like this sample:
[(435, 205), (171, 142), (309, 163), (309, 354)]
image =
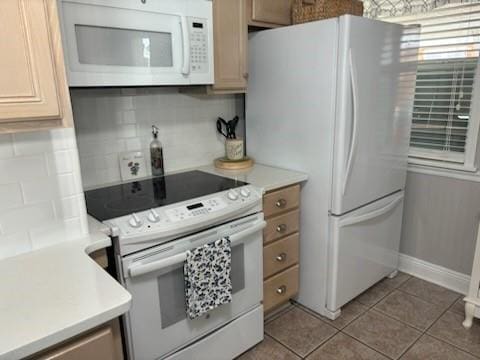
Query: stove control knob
[(232, 195), (245, 192), (135, 221), (153, 216)]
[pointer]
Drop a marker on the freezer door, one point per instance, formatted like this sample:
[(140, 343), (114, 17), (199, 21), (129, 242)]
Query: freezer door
[(363, 249), (374, 104)]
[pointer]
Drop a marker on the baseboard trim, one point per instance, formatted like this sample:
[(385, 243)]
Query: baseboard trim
[(434, 273)]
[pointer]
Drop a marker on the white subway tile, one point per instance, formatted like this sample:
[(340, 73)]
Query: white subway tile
[(61, 162), (69, 207), (6, 146), (49, 188), (32, 143), (15, 220), (10, 196), (129, 117), (21, 168), (133, 144), (127, 131), (186, 124)]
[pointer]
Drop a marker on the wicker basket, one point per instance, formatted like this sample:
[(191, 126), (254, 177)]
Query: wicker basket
[(311, 10)]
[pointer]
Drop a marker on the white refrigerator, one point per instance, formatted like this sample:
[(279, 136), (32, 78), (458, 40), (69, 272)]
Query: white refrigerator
[(334, 99)]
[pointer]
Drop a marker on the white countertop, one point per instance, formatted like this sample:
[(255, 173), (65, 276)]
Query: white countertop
[(52, 294), (266, 177)]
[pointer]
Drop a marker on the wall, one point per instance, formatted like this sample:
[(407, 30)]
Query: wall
[(111, 121), (40, 190), (440, 221)]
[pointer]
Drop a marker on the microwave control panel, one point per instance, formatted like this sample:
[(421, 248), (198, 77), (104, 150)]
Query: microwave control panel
[(198, 45)]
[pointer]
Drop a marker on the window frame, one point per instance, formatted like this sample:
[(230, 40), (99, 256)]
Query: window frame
[(433, 158)]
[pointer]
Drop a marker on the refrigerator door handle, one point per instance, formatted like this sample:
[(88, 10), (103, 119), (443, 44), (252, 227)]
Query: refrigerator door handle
[(353, 141), (372, 215)]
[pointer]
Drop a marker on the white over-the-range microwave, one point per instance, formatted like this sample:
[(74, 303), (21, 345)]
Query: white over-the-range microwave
[(137, 42)]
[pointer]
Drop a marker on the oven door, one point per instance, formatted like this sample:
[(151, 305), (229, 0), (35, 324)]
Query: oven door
[(130, 43), (157, 324)]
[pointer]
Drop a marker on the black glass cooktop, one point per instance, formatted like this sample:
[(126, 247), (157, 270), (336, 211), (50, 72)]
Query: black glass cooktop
[(119, 200)]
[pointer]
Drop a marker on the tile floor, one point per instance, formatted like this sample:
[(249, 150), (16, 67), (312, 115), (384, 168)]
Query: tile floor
[(401, 318)]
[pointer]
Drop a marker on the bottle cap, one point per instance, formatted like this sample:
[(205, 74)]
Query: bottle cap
[(154, 131)]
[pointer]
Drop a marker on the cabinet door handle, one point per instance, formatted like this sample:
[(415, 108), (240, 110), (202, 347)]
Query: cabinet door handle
[(281, 290), (281, 203), (281, 228), (245, 75), (281, 257)]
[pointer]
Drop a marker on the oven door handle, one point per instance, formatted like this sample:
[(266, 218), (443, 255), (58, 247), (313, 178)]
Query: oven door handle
[(142, 269)]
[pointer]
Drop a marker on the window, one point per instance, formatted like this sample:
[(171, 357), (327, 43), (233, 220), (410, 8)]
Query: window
[(445, 122)]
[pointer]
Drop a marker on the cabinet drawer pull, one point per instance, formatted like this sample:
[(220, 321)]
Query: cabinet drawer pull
[(281, 203), (281, 290), (281, 228), (281, 257)]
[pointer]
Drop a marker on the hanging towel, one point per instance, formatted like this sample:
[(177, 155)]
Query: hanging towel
[(207, 277)]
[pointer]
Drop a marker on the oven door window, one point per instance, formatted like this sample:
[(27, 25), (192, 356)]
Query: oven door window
[(97, 45), (171, 289)]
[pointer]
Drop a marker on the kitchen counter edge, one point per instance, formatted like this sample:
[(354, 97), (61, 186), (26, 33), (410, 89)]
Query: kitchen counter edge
[(110, 299)]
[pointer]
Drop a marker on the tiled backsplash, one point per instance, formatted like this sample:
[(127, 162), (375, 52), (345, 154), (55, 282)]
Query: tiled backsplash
[(40, 190), (111, 121)]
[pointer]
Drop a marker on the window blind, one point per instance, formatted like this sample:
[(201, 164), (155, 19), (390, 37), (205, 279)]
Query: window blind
[(448, 53)]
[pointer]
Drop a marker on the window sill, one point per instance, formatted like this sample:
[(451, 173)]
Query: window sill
[(453, 171)]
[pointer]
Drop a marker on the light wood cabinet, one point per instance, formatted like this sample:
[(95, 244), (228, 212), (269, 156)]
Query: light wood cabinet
[(281, 246), (278, 289), (103, 343), (269, 13), (33, 87), (100, 257), (230, 35)]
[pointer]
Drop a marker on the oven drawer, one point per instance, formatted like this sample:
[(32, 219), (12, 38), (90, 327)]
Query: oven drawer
[(280, 255), (279, 288), (281, 200), (280, 226)]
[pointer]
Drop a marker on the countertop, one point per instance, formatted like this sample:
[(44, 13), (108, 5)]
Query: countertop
[(52, 294), (266, 177)]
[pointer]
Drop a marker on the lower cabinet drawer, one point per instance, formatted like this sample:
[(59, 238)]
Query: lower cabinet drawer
[(104, 343), (280, 255), (279, 288), (280, 226)]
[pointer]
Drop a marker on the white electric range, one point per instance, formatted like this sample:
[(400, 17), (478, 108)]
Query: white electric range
[(154, 222)]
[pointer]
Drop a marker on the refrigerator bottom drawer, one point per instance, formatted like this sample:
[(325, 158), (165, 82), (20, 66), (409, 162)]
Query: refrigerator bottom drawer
[(364, 249)]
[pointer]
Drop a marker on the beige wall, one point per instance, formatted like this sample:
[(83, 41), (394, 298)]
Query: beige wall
[(440, 221)]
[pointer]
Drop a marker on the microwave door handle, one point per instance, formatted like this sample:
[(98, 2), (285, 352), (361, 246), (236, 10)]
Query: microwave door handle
[(141, 269), (186, 46)]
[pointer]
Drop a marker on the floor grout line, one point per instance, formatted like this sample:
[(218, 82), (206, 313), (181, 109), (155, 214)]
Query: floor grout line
[(321, 344), (282, 312), (369, 309), (283, 345), (369, 346), (418, 297)]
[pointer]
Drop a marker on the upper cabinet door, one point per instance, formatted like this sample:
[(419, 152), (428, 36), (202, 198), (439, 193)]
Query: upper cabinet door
[(230, 42), (33, 90), (274, 12)]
